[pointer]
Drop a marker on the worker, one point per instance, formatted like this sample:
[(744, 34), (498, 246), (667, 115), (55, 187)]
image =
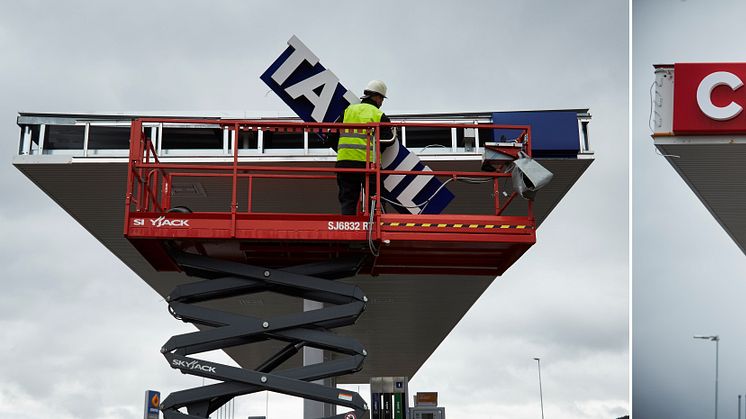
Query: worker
[(353, 145)]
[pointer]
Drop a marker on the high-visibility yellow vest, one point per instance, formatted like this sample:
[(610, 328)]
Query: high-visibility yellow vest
[(353, 143)]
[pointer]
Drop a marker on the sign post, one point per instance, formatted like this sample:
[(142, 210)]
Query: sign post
[(152, 404)]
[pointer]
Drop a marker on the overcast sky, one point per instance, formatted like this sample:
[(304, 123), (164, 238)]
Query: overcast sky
[(81, 332), (688, 274)]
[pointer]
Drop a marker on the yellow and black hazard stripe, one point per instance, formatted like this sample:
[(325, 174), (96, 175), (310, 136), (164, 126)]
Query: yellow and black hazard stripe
[(467, 226)]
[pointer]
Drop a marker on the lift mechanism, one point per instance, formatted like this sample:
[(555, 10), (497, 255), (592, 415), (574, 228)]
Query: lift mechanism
[(236, 253), (221, 279)]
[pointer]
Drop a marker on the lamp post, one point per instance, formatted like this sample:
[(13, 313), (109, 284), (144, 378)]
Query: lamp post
[(715, 339), (541, 395)]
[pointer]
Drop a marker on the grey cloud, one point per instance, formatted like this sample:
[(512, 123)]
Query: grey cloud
[(84, 331)]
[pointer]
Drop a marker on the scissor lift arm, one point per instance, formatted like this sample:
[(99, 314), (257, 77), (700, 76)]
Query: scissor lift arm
[(298, 254), (221, 279)]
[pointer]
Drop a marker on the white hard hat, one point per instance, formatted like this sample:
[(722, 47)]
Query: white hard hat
[(375, 86)]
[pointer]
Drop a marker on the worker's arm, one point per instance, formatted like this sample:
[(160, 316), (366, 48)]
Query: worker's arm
[(388, 134), (332, 137)]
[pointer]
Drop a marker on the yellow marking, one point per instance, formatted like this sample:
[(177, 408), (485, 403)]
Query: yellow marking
[(455, 225)]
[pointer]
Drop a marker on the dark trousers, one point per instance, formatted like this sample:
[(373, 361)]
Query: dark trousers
[(351, 184)]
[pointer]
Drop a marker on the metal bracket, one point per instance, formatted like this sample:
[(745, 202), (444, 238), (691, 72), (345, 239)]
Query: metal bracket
[(344, 303)]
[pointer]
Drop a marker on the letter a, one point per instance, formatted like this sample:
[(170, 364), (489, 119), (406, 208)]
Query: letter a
[(320, 102)]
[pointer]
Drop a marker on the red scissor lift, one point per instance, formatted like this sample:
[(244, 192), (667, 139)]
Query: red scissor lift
[(237, 252)]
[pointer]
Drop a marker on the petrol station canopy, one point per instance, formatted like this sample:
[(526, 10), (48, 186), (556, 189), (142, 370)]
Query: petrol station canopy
[(700, 129), (80, 161)]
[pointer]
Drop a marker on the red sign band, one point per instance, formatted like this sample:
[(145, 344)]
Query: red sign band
[(709, 98)]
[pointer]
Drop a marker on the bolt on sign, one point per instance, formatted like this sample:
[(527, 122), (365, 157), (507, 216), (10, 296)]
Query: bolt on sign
[(315, 94), (709, 98)]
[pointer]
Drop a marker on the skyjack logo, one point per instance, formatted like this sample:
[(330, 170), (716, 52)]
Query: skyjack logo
[(709, 98), (193, 365), (161, 221)]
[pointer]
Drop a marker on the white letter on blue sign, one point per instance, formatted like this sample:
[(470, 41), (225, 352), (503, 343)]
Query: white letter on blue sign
[(301, 53), (321, 102), (325, 79)]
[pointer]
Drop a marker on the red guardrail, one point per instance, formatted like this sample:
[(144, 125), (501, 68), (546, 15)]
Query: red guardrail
[(150, 181)]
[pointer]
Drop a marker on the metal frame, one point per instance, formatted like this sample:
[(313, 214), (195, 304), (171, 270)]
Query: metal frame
[(149, 195), (42, 134), (343, 304), (25, 147)]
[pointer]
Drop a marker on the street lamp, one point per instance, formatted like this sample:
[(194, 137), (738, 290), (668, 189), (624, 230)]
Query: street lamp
[(715, 339), (541, 395)]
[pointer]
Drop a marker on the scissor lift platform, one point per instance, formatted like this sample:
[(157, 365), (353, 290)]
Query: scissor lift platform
[(478, 244), (405, 244)]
